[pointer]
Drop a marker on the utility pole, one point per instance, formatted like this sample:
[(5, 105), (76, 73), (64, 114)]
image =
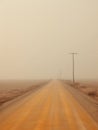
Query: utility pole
[(73, 65)]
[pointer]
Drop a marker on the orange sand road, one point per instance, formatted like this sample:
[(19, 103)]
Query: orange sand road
[(50, 108)]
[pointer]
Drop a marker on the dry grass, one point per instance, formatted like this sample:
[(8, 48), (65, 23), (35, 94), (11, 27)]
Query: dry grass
[(6, 96), (88, 88), (13, 90)]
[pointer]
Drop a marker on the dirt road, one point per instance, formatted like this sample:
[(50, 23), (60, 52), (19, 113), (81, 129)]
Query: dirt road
[(50, 108)]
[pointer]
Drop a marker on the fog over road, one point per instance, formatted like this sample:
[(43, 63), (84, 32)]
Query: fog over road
[(52, 107)]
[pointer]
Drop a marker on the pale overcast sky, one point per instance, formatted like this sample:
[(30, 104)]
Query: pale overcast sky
[(37, 35)]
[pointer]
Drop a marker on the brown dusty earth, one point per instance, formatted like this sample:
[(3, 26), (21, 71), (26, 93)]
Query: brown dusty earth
[(52, 107), (90, 88), (10, 90), (86, 92)]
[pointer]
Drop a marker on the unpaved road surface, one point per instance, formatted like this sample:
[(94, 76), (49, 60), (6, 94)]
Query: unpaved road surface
[(50, 108)]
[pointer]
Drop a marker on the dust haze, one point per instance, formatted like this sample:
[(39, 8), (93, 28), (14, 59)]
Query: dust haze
[(40, 86), (36, 37)]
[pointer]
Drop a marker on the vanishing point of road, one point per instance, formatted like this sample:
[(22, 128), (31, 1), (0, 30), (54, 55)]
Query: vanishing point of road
[(52, 107)]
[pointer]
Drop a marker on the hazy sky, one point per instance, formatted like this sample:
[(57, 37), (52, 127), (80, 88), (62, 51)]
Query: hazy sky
[(37, 35)]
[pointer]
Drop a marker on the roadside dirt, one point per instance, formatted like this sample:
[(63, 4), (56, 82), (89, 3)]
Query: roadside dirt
[(10, 94), (88, 88), (87, 95)]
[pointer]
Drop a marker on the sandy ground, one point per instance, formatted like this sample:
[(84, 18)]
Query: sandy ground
[(52, 107), (10, 90), (86, 92), (90, 88)]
